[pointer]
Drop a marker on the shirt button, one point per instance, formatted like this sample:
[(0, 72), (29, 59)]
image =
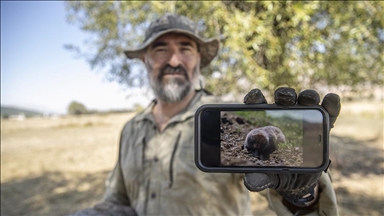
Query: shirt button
[(153, 195)]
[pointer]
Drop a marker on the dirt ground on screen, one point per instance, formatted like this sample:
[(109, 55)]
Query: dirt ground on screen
[(58, 166)]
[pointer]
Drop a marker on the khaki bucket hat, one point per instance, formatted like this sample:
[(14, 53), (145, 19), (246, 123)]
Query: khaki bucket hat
[(176, 24)]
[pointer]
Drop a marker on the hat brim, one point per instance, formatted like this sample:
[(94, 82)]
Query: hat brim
[(208, 47)]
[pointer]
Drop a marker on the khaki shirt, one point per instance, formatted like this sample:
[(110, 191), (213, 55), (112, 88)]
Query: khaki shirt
[(156, 173)]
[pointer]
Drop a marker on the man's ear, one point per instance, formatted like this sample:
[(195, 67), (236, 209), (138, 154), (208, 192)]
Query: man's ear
[(142, 57)]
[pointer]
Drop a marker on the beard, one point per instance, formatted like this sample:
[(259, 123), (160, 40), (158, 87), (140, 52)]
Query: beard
[(174, 89)]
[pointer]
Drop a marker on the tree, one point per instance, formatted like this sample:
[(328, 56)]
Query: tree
[(137, 107), (76, 108), (264, 44)]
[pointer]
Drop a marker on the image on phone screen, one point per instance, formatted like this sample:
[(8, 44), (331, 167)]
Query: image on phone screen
[(288, 138)]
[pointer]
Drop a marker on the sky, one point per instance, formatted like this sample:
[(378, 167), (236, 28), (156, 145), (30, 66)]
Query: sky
[(38, 73)]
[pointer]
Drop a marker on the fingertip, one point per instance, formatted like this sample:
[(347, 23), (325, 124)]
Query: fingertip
[(255, 96), (285, 96), (309, 97), (331, 103)]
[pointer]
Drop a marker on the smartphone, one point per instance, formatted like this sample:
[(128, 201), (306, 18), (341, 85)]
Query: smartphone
[(245, 138)]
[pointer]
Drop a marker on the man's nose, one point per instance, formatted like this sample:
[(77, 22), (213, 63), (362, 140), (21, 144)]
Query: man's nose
[(174, 60)]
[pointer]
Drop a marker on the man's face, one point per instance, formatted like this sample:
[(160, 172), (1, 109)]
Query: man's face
[(173, 64)]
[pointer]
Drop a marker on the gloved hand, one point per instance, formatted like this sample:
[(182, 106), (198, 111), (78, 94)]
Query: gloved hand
[(298, 189), (107, 209)]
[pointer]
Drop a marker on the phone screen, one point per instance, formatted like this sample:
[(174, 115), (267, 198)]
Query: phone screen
[(262, 138)]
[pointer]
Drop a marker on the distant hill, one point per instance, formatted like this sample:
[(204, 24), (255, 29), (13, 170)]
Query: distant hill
[(8, 111)]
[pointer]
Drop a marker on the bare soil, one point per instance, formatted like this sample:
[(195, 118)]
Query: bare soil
[(56, 166)]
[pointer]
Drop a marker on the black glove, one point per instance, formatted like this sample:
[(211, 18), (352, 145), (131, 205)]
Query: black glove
[(107, 209), (298, 189)]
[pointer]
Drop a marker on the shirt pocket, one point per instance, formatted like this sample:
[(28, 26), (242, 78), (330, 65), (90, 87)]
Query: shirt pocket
[(133, 167), (184, 161)]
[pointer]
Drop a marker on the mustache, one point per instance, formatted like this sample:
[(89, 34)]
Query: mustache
[(167, 69)]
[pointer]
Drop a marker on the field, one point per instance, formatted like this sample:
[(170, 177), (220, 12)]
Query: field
[(56, 166)]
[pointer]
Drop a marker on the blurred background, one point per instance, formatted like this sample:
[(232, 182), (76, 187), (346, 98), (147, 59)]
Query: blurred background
[(67, 88)]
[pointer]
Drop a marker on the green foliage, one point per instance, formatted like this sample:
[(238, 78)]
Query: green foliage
[(257, 119), (138, 108), (6, 112), (76, 108), (264, 44), (292, 128)]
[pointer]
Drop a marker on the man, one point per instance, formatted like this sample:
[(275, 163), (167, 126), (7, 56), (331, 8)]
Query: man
[(155, 173)]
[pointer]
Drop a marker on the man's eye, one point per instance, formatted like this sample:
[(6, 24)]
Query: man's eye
[(185, 49), (160, 50)]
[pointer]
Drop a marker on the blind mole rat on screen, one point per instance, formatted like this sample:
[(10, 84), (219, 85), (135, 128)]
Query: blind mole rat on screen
[(263, 141)]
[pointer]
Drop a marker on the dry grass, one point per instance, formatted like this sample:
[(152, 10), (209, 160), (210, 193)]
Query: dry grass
[(58, 166), (357, 154)]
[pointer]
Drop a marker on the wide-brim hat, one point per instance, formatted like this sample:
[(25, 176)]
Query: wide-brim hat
[(173, 23)]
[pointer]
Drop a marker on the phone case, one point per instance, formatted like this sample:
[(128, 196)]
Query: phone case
[(205, 151)]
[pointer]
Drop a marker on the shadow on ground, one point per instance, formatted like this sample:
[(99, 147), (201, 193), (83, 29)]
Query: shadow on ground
[(56, 193), (361, 163), (52, 193), (351, 156)]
